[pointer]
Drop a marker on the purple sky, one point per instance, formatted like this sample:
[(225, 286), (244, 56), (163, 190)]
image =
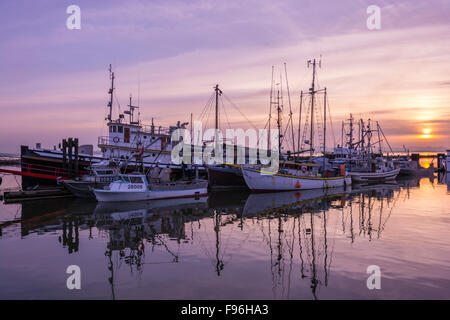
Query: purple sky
[(54, 81)]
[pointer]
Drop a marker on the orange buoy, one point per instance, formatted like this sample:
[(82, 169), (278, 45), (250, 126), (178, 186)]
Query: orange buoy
[(297, 185), (342, 169)]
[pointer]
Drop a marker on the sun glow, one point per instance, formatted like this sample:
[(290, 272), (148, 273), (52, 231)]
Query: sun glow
[(426, 134)]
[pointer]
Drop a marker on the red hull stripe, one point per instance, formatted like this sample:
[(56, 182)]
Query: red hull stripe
[(31, 174)]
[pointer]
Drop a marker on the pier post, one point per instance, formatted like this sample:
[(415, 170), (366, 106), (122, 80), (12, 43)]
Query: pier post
[(76, 156), (64, 152), (440, 161), (69, 170)]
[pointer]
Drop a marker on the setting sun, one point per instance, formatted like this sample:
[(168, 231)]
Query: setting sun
[(426, 134)]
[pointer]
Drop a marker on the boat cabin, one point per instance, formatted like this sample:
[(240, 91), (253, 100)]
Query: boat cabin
[(298, 169), (130, 139), (130, 183)]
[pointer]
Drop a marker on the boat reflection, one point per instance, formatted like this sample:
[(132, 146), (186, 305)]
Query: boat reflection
[(295, 228)]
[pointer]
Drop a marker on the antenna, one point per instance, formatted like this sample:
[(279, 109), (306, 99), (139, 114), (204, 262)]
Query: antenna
[(110, 92), (139, 98), (131, 112)]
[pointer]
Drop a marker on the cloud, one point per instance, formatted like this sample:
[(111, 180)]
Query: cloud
[(177, 51)]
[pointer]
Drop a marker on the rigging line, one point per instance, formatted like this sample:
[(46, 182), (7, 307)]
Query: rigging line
[(207, 104), (259, 135), (234, 106), (117, 100), (331, 121), (207, 120), (284, 133), (225, 111), (206, 107)]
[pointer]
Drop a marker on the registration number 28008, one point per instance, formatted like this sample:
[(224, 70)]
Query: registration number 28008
[(135, 186)]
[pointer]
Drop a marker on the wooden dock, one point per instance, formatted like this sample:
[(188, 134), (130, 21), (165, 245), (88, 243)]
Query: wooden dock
[(26, 195)]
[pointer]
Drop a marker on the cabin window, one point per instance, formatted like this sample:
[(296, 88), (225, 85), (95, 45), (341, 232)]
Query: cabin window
[(120, 129), (114, 128), (126, 136), (145, 137), (110, 128), (103, 172), (136, 179)]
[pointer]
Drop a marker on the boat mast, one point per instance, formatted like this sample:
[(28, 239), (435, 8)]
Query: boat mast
[(270, 109), (362, 147), (350, 142), (369, 137), (312, 92), (218, 92), (279, 121), (324, 123), (131, 112), (111, 92), (379, 140), (299, 121), (290, 109)]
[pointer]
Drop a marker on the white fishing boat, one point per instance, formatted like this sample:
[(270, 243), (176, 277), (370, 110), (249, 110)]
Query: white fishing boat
[(373, 170), (374, 176), (298, 177), (135, 187)]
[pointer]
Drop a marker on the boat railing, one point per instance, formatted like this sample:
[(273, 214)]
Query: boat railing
[(158, 130), (179, 185)]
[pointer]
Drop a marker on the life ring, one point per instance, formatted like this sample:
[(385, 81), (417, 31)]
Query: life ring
[(303, 169), (116, 139)]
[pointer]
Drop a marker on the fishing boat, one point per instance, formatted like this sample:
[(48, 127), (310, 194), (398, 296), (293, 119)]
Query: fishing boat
[(100, 176), (373, 170), (365, 162), (135, 187), (413, 168), (126, 135), (305, 176), (299, 175)]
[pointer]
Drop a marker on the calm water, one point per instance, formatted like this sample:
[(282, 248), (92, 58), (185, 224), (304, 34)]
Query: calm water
[(296, 245)]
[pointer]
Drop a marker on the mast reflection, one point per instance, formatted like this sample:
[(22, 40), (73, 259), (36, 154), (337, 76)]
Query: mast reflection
[(298, 229)]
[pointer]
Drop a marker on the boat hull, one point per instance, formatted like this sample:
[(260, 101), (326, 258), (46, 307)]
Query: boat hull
[(111, 196), (374, 176), (50, 164), (83, 189), (277, 182), (224, 177), (416, 172)]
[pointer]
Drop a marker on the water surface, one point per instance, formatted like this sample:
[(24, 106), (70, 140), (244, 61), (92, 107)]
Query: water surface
[(233, 245)]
